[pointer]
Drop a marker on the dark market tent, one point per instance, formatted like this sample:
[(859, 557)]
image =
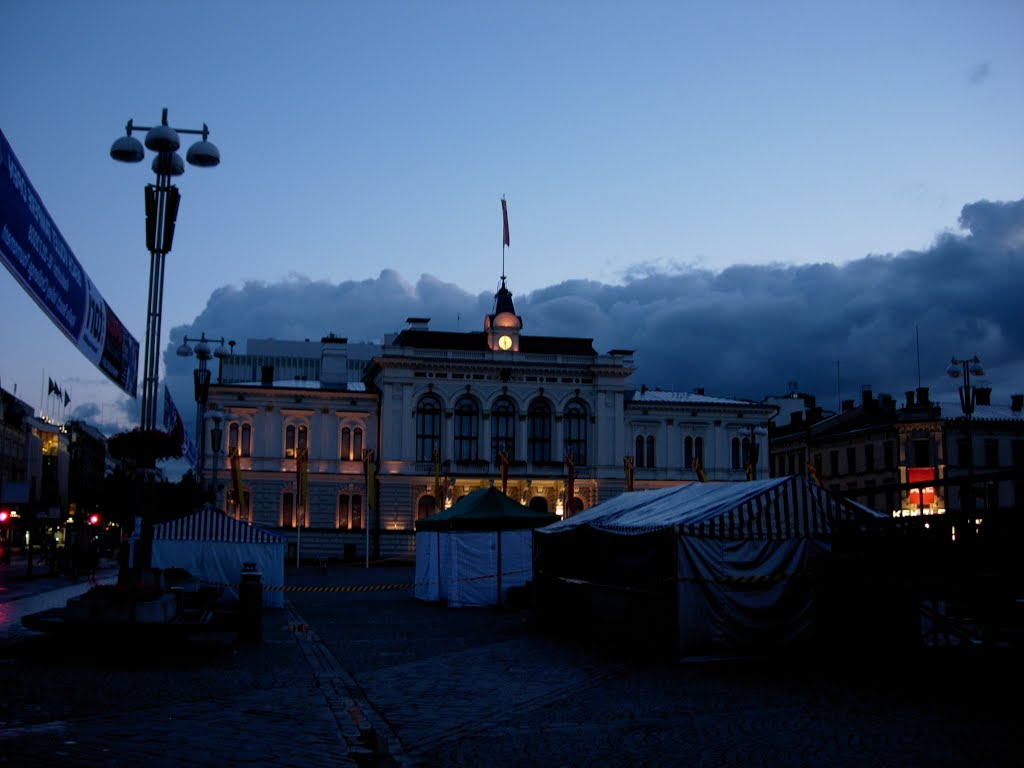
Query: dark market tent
[(473, 552), (717, 565)]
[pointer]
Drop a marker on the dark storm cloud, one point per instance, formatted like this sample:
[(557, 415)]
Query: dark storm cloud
[(745, 331)]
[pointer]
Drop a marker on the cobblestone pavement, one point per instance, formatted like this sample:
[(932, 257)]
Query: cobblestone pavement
[(375, 678)]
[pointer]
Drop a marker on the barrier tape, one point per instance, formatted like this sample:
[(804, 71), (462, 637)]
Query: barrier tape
[(364, 588)]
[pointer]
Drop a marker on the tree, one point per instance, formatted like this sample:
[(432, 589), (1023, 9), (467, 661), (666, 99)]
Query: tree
[(143, 448)]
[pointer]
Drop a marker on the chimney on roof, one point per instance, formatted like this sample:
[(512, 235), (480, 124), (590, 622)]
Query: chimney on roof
[(910, 398), (922, 396), (983, 395), (698, 390), (867, 397), (267, 376), (334, 361), (847, 405), (643, 389), (1017, 403), (796, 419), (814, 415)]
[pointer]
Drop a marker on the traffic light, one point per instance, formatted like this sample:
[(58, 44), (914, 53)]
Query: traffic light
[(94, 519), (5, 515)]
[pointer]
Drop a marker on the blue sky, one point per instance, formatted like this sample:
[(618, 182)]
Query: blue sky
[(714, 148)]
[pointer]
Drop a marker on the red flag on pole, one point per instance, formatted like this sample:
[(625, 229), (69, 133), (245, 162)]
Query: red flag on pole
[(504, 218)]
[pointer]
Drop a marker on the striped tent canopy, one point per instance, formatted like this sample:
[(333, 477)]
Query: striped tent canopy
[(209, 524), (775, 509)]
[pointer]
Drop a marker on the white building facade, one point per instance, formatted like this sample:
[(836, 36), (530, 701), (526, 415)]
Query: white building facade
[(439, 414)]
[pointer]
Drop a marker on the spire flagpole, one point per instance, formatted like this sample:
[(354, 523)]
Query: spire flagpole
[(504, 235)]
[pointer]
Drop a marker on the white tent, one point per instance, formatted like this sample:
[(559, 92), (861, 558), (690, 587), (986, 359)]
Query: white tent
[(472, 553), (213, 547), (734, 562)]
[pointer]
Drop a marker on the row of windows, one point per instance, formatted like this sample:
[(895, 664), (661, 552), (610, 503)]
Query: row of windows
[(348, 515), (503, 418), (693, 449), (296, 438)]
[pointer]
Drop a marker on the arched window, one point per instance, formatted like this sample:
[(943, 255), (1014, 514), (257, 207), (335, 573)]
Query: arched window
[(735, 453), (426, 507), (357, 512), (357, 443), (698, 449), (539, 504), (688, 453), (287, 510), (639, 451), (650, 451), (746, 451), (246, 439), (232, 437), (539, 431), (467, 430), (503, 429), (294, 440), (350, 512), (346, 444), (574, 423), (428, 428), (343, 519)]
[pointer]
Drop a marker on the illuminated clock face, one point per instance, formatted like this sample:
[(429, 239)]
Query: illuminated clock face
[(505, 342)]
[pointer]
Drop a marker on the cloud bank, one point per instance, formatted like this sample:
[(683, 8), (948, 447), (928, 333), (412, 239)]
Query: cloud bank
[(886, 321)]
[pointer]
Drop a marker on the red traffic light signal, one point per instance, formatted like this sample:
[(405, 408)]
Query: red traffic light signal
[(94, 519), (5, 514)]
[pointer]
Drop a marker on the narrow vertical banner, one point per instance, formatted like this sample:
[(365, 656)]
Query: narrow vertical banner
[(302, 465), (503, 462), (175, 427), (812, 472), (236, 479), (627, 468), (570, 485), (370, 478), (504, 221), (438, 501), (698, 467)]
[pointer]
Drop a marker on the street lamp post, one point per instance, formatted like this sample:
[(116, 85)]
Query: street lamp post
[(965, 368), (162, 201), (216, 435), (201, 380)]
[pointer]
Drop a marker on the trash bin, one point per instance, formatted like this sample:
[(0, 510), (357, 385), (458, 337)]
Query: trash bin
[(250, 597)]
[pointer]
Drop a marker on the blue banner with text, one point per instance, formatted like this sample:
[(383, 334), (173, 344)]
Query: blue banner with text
[(35, 252)]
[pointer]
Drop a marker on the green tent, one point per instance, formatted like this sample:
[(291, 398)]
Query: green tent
[(485, 509), (474, 552)]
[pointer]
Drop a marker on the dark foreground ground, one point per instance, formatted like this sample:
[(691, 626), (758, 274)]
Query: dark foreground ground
[(355, 671)]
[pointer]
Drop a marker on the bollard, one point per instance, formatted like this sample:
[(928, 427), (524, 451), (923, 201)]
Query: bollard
[(250, 597)]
